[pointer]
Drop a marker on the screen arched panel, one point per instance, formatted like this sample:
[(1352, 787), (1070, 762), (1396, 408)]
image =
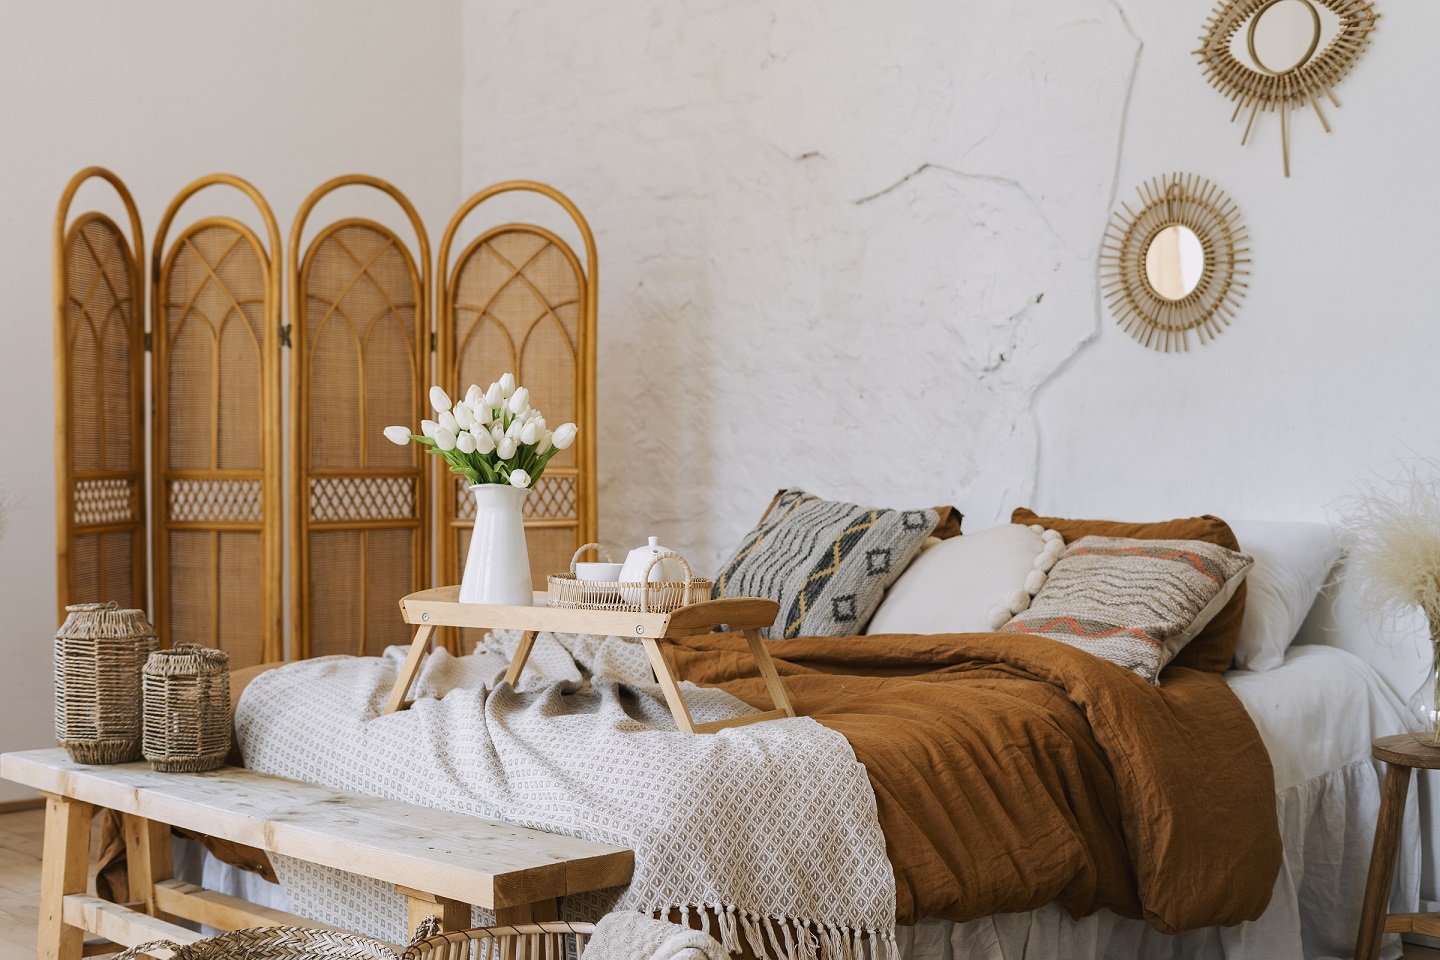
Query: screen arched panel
[(99, 404), (217, 481), (517, 299), (360, 361)]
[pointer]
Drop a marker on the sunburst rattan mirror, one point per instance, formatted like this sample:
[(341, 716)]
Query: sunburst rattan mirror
[(1293, 53), (1176, 264)]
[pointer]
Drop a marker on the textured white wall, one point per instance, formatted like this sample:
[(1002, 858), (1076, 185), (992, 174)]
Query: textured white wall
[(286, 95)]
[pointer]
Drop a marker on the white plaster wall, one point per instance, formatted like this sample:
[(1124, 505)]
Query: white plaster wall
[(284, 94)]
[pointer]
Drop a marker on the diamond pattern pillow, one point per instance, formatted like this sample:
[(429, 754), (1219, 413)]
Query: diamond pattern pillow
[(826, 563), (1133, 602)]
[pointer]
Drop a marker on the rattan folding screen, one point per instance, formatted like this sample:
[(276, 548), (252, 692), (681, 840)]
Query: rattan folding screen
[(99, 403), (360, 360), (215, 319), (362, 510), (517, 299)]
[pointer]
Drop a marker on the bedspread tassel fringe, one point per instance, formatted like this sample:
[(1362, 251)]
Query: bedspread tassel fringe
[(786, 938)]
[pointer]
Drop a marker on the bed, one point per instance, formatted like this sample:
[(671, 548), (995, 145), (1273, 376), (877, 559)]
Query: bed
[(1316, 714)]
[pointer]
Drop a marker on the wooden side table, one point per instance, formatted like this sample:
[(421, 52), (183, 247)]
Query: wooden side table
[(1401, 754), (440, 607)]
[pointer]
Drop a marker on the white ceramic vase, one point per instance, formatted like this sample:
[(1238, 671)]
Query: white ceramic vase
[(497, 569)]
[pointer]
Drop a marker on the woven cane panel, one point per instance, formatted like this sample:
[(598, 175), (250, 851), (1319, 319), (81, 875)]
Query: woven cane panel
[(361, 295), (215, 595), (517, 307), (335, 499), (192, 593), (214, 501), (100, 310), (214, 304), (117, 566), (551, 498), (85, 556), (105, 501), (357, 578)]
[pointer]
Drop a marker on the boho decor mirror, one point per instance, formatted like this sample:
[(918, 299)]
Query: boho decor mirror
[(1283, 55), (1177, 264)]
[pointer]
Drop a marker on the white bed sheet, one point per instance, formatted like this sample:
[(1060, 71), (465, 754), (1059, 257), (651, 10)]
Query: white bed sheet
[(1317, 715)]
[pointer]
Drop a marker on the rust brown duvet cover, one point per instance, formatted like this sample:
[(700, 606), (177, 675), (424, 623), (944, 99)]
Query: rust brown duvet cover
[(1012, 770)]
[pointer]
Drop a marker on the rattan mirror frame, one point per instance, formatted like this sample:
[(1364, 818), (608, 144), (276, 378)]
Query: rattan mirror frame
[(364, 517), (103, 504), (1153, 319)]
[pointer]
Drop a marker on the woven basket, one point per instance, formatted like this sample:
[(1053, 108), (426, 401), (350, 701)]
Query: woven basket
[(652, 596), (187, 709), (531, 941), (272, 943), (99, 654)]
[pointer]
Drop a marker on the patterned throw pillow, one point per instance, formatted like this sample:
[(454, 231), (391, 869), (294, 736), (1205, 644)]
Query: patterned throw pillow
[(826, 563), (1135, 603)]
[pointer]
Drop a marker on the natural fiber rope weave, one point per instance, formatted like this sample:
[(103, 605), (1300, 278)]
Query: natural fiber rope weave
[(272, 943), (187, 709), (531, 941), (100, 652)]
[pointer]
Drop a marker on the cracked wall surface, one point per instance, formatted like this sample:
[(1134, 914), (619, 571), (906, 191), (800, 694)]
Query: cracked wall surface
[(841, 246)]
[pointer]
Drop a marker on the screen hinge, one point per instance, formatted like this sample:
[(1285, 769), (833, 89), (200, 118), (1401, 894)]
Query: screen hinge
[(432, 341), (147, 341), (284, 334)]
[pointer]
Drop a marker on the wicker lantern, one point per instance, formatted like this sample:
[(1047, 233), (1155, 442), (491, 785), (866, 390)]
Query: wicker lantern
[(187, 709), (99, 654)]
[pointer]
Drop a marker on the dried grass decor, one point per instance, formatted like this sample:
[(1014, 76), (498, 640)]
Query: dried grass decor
[(187, 709), (100, 652)]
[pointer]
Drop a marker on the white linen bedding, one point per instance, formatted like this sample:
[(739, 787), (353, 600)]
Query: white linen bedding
[(1317, 714)]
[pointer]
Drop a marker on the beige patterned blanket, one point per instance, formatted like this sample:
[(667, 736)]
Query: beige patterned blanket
[(772, 827)]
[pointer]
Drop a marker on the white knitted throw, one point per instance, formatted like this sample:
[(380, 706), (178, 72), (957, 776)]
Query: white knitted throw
[(771, 826)]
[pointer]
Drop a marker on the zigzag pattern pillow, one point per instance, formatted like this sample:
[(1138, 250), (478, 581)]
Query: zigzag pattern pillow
[(826, 563), (1135, 603)]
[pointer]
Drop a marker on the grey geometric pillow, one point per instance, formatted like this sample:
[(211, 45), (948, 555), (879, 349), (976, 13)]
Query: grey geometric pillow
[(826, 563), (1135, 603)]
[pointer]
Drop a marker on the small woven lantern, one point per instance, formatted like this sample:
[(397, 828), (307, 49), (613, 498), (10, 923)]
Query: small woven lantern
[(187, 709), (99, 654)]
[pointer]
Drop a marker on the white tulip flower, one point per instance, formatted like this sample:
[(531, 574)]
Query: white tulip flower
[(464, 416), (530, 433), (484, 443), (398, 435), (439, 399), (473, 396), (505, 449), (444, 439), (465, 443), (494, 396), (514, 429), (547, 440), (448, 422), (497, 432), (565, 435), (519, 401), (507, 384), (519, 478), (428, 428)]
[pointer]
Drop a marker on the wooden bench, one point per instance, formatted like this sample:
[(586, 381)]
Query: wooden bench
[(442, 862)]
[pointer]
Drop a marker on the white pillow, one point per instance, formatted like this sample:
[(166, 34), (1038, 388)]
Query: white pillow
[(966, 584), (1292, 562)]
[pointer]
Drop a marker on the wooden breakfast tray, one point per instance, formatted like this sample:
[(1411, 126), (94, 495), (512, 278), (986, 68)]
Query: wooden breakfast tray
[(440, 607)]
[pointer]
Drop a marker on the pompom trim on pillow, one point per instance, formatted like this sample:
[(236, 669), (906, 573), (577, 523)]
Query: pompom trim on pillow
[(1019, 601)]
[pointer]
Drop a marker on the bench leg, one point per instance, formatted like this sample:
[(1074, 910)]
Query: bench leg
[(541, 911), (451, 914), (63, 872), (1382, 862), (149, 860)]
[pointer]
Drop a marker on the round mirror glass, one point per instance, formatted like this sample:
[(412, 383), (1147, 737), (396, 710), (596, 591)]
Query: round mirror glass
[(1174, 262), (1284, 34)]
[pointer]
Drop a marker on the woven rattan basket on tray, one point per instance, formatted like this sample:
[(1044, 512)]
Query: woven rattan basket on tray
[(650, 596), (531, 941), (99, 654), (187, 709), (272, 943)]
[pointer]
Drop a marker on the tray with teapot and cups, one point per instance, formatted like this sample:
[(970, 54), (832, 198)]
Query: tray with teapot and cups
[(653, 579)]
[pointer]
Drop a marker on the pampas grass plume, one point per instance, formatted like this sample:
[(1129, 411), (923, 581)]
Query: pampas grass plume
[(1394, 525)]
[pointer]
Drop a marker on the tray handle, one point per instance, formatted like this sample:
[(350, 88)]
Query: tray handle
[(645, 578), (590, 546)]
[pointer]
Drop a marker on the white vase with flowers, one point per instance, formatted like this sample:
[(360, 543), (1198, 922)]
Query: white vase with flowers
[(497, 441)]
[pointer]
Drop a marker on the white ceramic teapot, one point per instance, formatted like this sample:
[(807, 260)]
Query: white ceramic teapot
[(667, 570)]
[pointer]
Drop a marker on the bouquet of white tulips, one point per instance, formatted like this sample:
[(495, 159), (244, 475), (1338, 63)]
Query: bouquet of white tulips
[(493, 436)]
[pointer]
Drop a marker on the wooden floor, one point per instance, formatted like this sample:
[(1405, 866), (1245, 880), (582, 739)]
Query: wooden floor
[(20, 842)]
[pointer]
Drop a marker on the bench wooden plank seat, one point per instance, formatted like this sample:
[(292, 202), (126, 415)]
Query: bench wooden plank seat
[(442, 861)]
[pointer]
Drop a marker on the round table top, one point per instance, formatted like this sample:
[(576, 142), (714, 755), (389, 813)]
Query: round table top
[(1404, 750)]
